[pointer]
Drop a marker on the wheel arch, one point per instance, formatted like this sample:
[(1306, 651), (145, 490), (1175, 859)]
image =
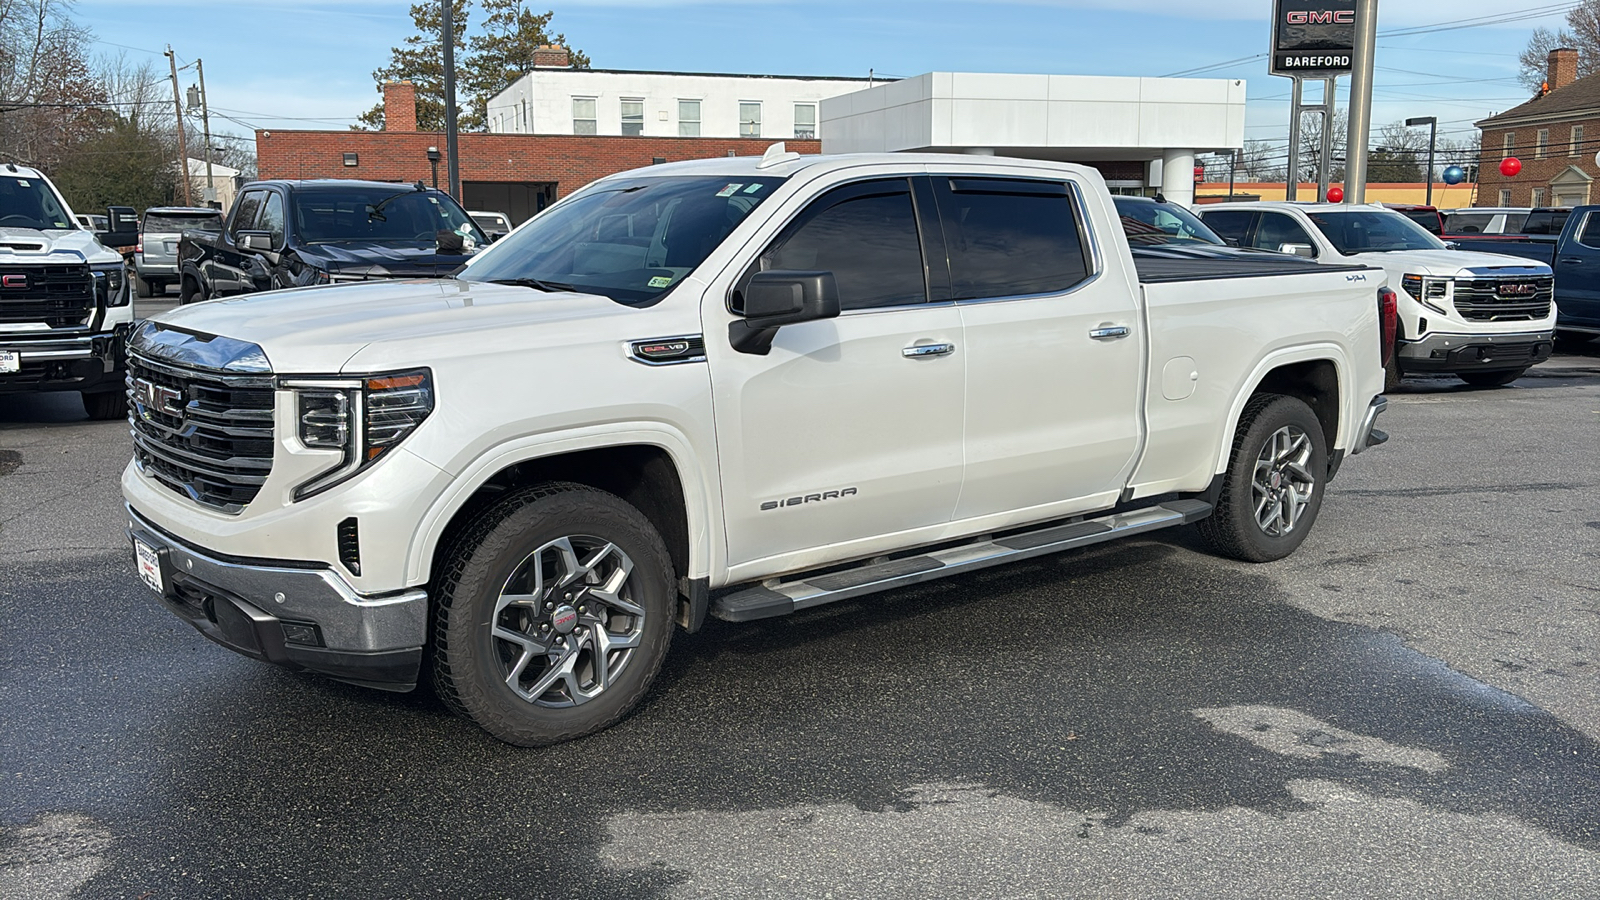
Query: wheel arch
[(1320, 375)]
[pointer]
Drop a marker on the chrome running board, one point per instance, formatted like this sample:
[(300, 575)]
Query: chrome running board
[(779, 598)]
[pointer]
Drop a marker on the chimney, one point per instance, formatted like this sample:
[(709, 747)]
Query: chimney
[(399, 106), (1562, 69), (551, 56)]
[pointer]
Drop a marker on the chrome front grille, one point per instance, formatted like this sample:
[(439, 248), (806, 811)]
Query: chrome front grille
[(1505, 299), (206, 435)]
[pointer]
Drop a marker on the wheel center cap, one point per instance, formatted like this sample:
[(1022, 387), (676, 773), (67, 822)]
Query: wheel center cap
[(1277, 480), (564, 619)]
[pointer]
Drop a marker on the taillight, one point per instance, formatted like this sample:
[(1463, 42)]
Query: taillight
[(1388, 323), (139, 247)]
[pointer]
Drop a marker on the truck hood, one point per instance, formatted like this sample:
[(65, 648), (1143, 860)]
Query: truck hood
[(1453, 262), (319, 329), (29, 245), (418, 259)]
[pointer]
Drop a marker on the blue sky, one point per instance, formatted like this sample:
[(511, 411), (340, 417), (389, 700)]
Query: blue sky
[(308, 63)]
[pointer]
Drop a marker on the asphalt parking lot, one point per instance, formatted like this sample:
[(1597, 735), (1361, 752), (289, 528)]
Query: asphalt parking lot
[(1409, 707)]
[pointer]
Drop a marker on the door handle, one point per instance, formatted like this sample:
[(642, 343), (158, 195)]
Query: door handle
[(1110, 332), (1572, 260), (924, 351)]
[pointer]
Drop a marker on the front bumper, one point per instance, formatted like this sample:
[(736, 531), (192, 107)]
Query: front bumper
[(89, 363), (299, 615), (1476, 352)]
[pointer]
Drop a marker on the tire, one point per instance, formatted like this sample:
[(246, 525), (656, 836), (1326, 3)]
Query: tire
[(1391, 374), (142, 287), (106, 405), (1283, 434), (1491, 379), (514, 651), (1576, 337), (189, 291)]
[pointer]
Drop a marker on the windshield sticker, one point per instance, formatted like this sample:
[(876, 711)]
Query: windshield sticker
[(754, 188), (730, 190), (660, 281)]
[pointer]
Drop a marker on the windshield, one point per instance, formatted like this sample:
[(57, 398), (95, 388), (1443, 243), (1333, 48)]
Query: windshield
[(630, 241), (176, 223), (29, 203), (1149, 223), (1373, 231), (396, 215)]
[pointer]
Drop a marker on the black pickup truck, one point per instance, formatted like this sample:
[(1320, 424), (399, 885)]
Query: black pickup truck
[(283, 234)]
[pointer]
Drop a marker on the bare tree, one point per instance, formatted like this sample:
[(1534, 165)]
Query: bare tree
[(1581, 34), (49, 96)]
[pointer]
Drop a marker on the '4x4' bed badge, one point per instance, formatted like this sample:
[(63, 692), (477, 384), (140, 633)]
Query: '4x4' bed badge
[(157, 397)]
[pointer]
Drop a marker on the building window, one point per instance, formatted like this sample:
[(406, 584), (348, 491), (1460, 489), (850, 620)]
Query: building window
[(1510, 144), (749, 120), (1538, 196), (1505, 197), (1576, 147), (805, 121), (688, 118), (1541, 143), (583, 120), (633, 117)]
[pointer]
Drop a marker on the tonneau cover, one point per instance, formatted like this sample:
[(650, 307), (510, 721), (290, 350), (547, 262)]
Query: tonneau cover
[(1161, 265)]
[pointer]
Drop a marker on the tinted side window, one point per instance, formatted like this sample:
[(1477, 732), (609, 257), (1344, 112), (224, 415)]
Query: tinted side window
[(245, 216), (1590, 235), (272, 218), (866, 235), (1277, 229), (1232, 225), (1010, 238)]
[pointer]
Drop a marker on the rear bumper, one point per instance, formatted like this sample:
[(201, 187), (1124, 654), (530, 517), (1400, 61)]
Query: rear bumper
[(160, 269), (1476, 352), (302, 616), (90, 363), (1367, 435)]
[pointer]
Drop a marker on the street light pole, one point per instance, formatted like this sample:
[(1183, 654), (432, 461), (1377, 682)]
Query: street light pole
[(1433, 135), (452, 166)]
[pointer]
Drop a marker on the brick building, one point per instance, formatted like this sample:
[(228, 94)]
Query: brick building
[(1555, 136), (517, 174)]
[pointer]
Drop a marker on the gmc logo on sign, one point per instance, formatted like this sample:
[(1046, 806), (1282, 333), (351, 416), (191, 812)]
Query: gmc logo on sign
[(1335, 17), (14, 282)]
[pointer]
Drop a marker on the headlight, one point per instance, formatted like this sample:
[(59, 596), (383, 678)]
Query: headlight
[(363, 417), (1430, 292), (110, 284)]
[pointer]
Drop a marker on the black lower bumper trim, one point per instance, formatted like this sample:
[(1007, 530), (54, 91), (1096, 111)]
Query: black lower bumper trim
[(1481, 357)]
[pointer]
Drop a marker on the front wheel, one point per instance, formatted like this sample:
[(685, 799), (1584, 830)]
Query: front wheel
[(106, 405), (1490, 379), (189, 291), (1272, 490), (554, 612)]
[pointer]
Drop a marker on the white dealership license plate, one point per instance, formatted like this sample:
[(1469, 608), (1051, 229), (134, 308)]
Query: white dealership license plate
[(149, 565), (10, 361)]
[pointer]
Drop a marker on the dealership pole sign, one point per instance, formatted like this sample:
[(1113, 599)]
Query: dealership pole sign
[(1313, 38)]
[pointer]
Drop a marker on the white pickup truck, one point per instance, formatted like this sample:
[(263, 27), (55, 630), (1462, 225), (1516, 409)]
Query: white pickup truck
[(1483, 317), (740, 387)]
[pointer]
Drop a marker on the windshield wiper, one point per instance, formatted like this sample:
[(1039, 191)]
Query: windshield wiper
[(537, 283)]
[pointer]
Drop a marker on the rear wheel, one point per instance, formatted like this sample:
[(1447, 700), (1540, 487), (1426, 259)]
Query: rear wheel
[(142, 287), (554, 614), (106, 405), (1491, 379), (1273, 488)]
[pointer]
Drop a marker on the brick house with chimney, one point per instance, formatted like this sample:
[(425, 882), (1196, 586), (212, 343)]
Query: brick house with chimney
[(1555, 135)]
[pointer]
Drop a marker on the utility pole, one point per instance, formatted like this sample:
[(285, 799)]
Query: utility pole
[(183, 143), (453, 167), (205, 123), (1366, 46)]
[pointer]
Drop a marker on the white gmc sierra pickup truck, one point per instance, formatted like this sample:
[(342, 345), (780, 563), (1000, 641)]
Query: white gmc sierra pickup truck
[(1482, 317), (740, 387)]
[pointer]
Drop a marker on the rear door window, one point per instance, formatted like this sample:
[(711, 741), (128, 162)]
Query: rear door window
[(1010, 237), (866, 235)]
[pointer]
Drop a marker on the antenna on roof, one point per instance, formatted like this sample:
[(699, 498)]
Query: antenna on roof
[(777, 153)]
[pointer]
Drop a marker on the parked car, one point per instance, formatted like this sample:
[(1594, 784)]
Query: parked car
[(1429, 217), (1484, 317), (93, 223), (1574, 255), (1474, 220), (294, 233), (732, 375), (155, 258), (496, 225), (64, 302)]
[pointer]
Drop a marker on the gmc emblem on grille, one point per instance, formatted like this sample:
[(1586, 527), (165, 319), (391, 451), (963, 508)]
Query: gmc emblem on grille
[(1518, 290), (157, 397), (14, 282)]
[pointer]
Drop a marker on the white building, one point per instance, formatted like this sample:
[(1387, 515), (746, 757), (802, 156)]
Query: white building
[(556, 99), (224, 183), (1143, 133)]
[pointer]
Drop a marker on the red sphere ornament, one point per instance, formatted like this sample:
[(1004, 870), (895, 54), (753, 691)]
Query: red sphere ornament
[(1336, 195), (1510, 166)]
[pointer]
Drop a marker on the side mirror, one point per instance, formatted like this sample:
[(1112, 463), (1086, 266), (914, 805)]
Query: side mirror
[(1305, 250), (259, 242), (1452, 245), (775, 299), (122, 227)]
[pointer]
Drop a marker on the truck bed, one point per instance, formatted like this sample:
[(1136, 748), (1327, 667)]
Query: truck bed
[(1162, 267)]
